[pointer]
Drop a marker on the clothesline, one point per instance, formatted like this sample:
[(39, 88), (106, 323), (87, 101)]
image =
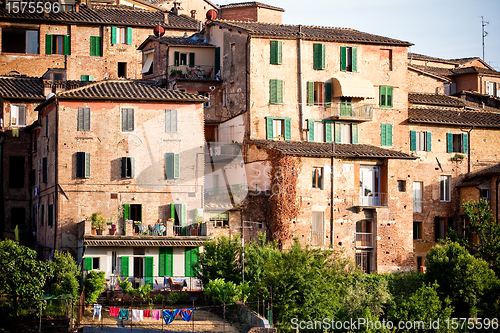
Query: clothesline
[(138, 314)]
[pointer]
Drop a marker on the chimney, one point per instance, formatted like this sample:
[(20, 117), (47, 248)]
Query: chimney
[(165, 17)]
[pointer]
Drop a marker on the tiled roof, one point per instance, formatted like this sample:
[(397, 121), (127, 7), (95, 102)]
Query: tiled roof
[(453, 117), (423, 57), (435, 99), (21, 87), (250, 4), (443, 73), (487, 171), (190, 41), (143, 241), (309, 32), (319, 149), (463, 61), (129, 90), (475, 70), (119, 15)]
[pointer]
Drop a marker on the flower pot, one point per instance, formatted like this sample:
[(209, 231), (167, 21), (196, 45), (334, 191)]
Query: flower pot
[(93, 231), (194, 232), (112, 231), (99, 231)]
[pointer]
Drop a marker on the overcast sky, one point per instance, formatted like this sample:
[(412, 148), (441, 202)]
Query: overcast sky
[(446, 29)]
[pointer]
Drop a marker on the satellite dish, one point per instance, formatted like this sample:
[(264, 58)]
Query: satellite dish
[(49, 96), (159, 31), (211, 15)]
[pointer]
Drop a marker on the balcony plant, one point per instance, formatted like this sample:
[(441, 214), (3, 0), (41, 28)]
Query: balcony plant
[(97, 221), (175, 73), (458, 157)]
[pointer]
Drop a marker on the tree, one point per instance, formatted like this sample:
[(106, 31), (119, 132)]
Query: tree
[(66, 275), (22, 277), (94, 284), (460, 276)]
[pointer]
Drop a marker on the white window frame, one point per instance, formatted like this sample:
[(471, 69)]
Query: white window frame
[(345, 132), (14, 115), (207, 104), (319, 93), (417, 196), (319, 131), (278, 128), (445, 188), (421, 141), (121, 35)]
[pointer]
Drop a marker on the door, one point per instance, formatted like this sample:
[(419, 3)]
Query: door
[(138, 270), (369, 186)]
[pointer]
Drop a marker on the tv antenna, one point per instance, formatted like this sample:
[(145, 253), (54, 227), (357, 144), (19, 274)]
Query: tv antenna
[(484, 33)]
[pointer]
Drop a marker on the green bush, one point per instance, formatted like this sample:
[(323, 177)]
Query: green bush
[(175, 297), (66, 275), (94, 285)]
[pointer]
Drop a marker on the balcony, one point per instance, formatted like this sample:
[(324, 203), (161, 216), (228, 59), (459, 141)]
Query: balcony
[(364, 240), (192, 73), (352, 111), (374, 200)]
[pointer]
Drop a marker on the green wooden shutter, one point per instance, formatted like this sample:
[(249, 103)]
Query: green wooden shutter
[(91, 77), (288, 129), (355, 133), (383, 134), (310, 127), (176, 58), (87, 165), (195, 253), (84, 78), (172, 211), (67, 45), (161, 261), (88, 264), (48, 44), (273, 94), (429, 141), (113, 35), (319, 56), (177, 169), (354, 59), (465, 143), (449, 142), (310, 93), (92, 46), (328, 131), (279, 91), (382, 101), (129, 36), (217, 60), (98, 45), (184, 215), (169, 166), (322, 56), (413, 140), (343, 58), (274, 52), (148, 270), (338, 136), (191, 59), (124, 267), (188, 271), (328, 94), (389, 97), (269, 128), (169, 261), (126, 211)]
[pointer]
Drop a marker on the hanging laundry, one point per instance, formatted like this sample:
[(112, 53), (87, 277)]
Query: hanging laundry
[(147, 313), (123, 314), (155, 314), (113, 312), (186, 314), (137, 315), (97, 311), (169, 315)]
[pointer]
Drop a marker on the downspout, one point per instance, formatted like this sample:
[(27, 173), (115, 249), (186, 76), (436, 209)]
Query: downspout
[(496, 197), (56, 179), (299, 78), (332, 200), (247, 85)]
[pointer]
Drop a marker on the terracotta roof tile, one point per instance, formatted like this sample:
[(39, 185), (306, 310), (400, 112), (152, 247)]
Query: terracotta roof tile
[(444, 73), (309, 32), (21, 87), (453, 117), (318, 149), (435, 99), (475, 70), (190, 41), (250, 4), (487, 171), (424, 57)]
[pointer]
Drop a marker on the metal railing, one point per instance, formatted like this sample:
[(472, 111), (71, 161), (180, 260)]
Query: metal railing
[(192, 73), (317, 238), (364, 239), (374, 200), (172, 283), (351, 111)]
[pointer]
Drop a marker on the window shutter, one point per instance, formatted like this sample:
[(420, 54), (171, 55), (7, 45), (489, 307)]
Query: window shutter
[(84, 78), (161, 261), (382, 101), (176, 58), (389, 96), (67, 45), (319, 56), (338, 136), (98, 46), (273, 94), (354, 59), (449, 142), (354, 133), (217, 60), (130, 119), (124, 120), (176, 165), (413, 140), (80, 120), (328, 94), (171, 120), (87, 165), (129, 36), (269, 128), (328, 131), (322, 56), (184, 215), (148, 271), (429, 141), (88, 264), (187, 262), (124, 267), (191, 59), (113, 35), (91, 77), (383, 134), (80, 164), (465, 143), (92, 46), (276, 52), (310, 93), (288, 129), (389, 135), (169, 261), (48, 44), (195, 252), (172, 211), (126, 211), (279, 91), (343, 58), (280, 52), (132, 167), (310, 127)]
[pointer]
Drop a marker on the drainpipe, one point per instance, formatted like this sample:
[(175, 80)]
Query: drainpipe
[(56, 178), (332, 209), (496, 197), (299, 78)]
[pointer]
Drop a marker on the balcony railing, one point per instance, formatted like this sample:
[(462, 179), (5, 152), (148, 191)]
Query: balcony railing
[(374, 200), (170, 283), (352, 111), (417, 205), (192, 73), (364, 239)]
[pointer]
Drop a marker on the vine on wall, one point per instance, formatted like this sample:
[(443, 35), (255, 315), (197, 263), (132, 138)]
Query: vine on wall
[(284, 201)]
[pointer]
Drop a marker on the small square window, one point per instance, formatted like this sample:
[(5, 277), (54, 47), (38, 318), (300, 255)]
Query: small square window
[(484, 194), (317, 177), (417, 230), (95, 263), (401, 185)]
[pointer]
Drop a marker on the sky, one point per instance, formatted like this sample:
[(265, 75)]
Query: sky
[(447, 29)]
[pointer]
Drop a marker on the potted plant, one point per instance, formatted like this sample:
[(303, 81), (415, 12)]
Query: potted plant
[(112, 230), (458, 157), (98, 222)]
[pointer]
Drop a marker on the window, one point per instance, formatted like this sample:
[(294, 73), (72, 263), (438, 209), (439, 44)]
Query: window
[(348, 59), (346, 132), (57, 44), (317, 177), (127, 167), (401, 185), (91, 263), (457, 143), (58, 76), (18, 115), (385, 97), (386, 59), (417, 230), (319, 58), (386, 135), (417, 197), (171, 121), (319, 93), (50, 221), (346, 107), (484, 194), (172, 165), (148, 63), (219, 219), (278, 128), (67, 8), (17, 217), (420, 263), (82, 165), (95, 263), (206, 104), (492, 88), (178, 212), (16, 171), (95, 46), (42, 214), (20, 41), (364, 233), (46, 125), (369, 183), (420, 141), (276, 52), (127, 120), (317, 233), (86, 78), (444, 188), (233, 51), (441, 225), (319, 130), (364, 261), (44, 170), (132, 212), (275, 91), (83, 119), (122, 69), (121, 35)]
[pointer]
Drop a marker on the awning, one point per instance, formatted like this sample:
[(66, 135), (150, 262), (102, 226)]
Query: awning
[(147, 63), (353, 88)]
